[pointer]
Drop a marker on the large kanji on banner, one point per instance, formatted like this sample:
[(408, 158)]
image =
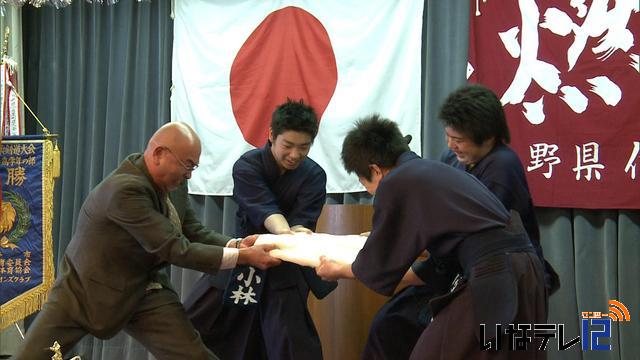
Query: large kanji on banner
[(234, 61), (567, 74)]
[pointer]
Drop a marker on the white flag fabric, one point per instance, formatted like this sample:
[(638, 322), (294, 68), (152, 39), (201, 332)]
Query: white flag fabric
[(306, 249), (234, 61)]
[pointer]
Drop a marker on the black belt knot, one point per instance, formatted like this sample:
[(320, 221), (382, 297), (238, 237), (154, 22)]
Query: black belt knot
[(496, 241)]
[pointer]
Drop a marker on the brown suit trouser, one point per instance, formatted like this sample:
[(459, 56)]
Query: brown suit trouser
[(159, 324)]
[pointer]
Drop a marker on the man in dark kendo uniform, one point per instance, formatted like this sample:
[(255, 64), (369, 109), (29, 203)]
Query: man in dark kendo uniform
[(427, 205), (477, 139), (255, 314)]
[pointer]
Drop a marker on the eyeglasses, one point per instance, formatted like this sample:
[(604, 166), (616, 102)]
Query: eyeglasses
[(185, 166)]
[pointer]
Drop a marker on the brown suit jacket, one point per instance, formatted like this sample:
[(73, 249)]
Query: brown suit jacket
[(122, 241)]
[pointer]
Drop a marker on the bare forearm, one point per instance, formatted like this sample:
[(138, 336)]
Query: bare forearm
[(346, 272), (277, 224)]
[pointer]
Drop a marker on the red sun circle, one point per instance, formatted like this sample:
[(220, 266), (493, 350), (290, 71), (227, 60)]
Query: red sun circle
[(289, 55)]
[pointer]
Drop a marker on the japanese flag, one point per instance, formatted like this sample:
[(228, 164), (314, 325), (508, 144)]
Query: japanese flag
[(235, 61)]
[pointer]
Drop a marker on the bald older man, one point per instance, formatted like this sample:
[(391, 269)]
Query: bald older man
[(133, 224)]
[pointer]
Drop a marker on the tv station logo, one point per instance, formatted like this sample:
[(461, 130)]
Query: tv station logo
[(597, 326), (595, 332)]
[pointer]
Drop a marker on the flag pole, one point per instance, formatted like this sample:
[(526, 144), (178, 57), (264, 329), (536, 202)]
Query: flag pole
[(45, 131), (5, 43)]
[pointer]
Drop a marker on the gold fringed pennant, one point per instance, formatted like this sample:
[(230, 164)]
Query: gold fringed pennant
[(26, 242)]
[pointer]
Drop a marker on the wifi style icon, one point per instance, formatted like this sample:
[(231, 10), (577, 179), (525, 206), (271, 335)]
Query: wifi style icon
[(618, 312)]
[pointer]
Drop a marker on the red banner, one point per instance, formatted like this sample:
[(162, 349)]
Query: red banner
[(567, 74), (12, 124)]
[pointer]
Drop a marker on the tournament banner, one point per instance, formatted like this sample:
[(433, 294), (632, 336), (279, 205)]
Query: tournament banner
[(26, 254), (235, 61), (567, 73)]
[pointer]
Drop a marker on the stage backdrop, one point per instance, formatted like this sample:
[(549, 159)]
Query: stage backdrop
[(567, 73), (234, 61)]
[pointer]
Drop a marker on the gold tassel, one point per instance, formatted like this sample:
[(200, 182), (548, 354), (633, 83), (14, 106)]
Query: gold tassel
[(17, 309), (56, 161)]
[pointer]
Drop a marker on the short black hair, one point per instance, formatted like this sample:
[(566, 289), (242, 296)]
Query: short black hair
[(294, 116), (476, 112), (373, 140)]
